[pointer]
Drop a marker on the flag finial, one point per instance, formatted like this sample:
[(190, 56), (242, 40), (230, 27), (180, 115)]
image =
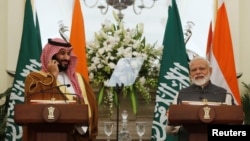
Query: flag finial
[(62, 30)]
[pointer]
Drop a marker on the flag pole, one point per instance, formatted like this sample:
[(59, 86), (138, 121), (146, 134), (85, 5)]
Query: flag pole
[(215, 7)]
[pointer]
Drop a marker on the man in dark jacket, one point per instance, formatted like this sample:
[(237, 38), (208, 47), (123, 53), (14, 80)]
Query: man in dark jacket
[(201, 90)]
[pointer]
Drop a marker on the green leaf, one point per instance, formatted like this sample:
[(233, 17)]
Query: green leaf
[(100, 95), (245, 100), (133, 99), (115, 98)]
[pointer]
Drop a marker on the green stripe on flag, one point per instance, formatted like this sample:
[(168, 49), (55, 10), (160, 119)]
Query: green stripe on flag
[(28, 60), (174, 73)]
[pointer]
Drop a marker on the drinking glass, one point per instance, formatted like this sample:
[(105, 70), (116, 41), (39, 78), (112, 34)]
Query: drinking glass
[(108, 129), (124, 116), (140, 128)]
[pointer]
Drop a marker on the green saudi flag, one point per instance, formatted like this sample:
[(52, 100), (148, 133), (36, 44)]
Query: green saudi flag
[(174, 73), (28, 60)]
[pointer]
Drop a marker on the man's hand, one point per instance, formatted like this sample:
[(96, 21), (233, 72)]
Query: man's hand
[(53, 67), (172, 129)]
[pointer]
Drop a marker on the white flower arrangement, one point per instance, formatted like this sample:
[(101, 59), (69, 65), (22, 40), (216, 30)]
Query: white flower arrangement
[(114, 41)]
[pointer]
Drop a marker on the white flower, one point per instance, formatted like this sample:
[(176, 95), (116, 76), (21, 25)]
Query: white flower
[(140, 28), (113, 42), (112, 65), (142, 80)]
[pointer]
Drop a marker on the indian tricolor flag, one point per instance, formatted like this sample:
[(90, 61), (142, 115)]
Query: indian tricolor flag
[(221, 54), (77, 39)]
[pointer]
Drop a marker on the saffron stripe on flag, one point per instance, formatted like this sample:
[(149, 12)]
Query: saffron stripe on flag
[(77, 40), (222, 56)]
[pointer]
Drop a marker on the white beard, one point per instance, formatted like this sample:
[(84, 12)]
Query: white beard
[(201, 82)]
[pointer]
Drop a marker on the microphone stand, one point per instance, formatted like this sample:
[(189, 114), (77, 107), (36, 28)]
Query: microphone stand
[(125, 69), (52, 89), (118, 92)]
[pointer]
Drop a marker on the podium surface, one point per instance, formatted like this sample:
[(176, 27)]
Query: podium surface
[(50, 122), (196, 118)]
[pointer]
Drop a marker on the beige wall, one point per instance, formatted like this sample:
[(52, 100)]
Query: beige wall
[(5, 80), (11, 19), (244, 40)]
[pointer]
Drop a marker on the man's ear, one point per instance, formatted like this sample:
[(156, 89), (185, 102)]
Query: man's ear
[(211, 70), (190, 80)]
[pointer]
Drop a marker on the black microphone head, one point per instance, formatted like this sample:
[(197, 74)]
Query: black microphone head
[(201, 98)]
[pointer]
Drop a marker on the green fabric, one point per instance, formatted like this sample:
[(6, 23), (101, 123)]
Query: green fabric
[(173, 73), (28, 60), (3, 113)]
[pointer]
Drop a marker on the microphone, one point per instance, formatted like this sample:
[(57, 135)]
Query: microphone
[(78, 98), (183, 95), (51, 88), (229, 98), (63, 94), (200, 95), (201, 98)]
